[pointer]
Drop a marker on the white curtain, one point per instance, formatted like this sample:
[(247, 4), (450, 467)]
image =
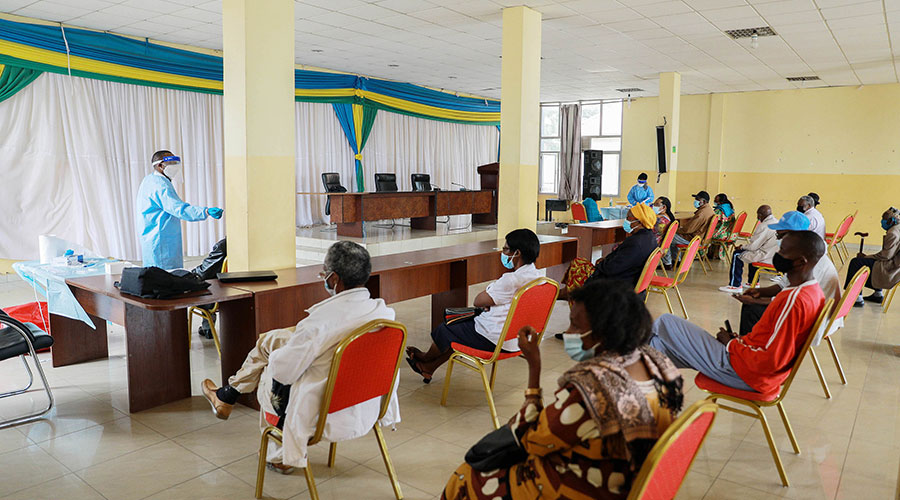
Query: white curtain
[(570, 151), (75, 151)]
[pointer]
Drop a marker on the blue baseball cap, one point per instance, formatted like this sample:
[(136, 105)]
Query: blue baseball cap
[(791, 221)]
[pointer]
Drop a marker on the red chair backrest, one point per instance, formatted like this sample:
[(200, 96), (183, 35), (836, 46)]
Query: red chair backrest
[(711, 229), (649, 271), (852, 292), (367, 367), (531, 306), (671, 457), (844, 228), (578, 212), (689, 256), (670, 235), (739, 223)]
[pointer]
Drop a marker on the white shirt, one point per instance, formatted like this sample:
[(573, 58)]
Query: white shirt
[(827, 276), (763, 243), (305, 361), (816, 222), (489, 324)]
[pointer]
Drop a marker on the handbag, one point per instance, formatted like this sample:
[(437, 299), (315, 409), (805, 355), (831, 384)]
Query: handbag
[(498, 449), (454, 314), (156, 283)]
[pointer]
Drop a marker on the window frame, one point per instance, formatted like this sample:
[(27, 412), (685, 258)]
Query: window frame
[(600, 103), (542, 152)]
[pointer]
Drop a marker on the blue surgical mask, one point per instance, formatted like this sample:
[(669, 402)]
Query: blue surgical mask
[(331, 291), (507, 261), (573, 346), (696, 203), (627, 226), (642, 182), (887, 224)]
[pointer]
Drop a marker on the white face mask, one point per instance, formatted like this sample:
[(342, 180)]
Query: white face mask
[(658, 209), (172, 171)]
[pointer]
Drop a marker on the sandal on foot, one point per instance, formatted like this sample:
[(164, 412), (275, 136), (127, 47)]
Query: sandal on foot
[(415, 367)]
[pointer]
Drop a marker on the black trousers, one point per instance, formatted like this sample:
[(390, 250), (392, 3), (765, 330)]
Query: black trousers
[(856, 263), (750, 315)]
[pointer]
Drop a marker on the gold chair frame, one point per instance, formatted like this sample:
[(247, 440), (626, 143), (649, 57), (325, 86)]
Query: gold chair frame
[(704, 246), (680, 276), (760, 271), (276, 434), (673, 228), (209, 316)]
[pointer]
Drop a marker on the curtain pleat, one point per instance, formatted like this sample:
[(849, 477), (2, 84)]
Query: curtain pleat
[(14, 79), (570, 151)]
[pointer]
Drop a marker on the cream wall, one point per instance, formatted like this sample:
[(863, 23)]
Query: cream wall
[(774, 146)]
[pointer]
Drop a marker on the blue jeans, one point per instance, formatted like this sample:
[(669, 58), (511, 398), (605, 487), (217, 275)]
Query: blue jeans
[(736, 273), (673, 250), (689, 346)]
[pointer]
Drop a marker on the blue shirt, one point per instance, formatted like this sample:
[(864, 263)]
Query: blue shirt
[(590, 208), (640, 193), (159, 215)]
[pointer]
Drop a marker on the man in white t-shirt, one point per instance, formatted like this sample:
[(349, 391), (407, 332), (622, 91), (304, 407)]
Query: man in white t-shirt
[(807, 206), (483, 331)]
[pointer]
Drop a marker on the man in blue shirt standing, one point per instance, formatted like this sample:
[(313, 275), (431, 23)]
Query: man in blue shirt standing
[(160, 211), (641, 192)]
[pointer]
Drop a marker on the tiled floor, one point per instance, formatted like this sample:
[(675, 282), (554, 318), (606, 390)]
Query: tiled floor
[(91, 448)]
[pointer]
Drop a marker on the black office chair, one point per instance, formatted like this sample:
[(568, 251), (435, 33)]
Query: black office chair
[(421, 182), (332, 182), (386, 183), (18, 339)]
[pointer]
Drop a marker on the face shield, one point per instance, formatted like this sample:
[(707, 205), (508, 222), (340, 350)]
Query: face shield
[(171, 165)]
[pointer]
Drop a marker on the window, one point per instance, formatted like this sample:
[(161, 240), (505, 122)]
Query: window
[(601, 129), (550, 147)]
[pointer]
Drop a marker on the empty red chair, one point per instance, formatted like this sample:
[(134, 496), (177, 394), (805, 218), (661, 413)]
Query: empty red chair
[(578, 212), (647, 273), (661, 285)]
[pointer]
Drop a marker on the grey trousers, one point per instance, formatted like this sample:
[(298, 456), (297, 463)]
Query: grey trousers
[(689, 346)]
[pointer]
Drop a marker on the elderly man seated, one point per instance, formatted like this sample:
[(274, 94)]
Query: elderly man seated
[(885, 265), (762, 246), (288, 369)]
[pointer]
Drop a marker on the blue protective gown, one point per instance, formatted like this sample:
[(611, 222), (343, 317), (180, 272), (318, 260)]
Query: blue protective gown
[(160, 212), (591, 210), (640, 194)]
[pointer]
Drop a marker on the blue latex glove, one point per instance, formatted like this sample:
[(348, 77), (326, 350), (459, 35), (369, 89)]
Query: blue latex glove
[(215, 212)]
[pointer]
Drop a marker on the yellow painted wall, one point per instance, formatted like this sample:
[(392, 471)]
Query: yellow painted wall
[(843, 143), (6, 266)]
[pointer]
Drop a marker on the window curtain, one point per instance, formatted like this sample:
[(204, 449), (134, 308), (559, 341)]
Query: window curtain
[(14, 79), (570, 151), (356, 120)]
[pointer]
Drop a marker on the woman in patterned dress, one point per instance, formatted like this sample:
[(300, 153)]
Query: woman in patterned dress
[(608, 412), (725, 210)]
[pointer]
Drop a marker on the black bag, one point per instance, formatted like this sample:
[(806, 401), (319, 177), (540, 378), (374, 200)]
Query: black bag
[(156, 283), (498, 449), (454, 314), (212, 264)]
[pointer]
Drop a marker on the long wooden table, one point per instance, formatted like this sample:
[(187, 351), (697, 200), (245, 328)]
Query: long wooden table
[(156, 330), (350, 210), (605, 234)]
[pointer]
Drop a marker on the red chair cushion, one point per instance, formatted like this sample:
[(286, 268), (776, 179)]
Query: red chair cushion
[(662, 281), (763, 265), (710, 385), (745, 235), (471, 351), (679, 245)]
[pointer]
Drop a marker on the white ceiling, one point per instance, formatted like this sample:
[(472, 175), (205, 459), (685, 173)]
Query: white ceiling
[(590, 47)]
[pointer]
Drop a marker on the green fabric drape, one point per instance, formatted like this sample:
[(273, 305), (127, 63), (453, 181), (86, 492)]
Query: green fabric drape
[(368, 120), (14, 79)]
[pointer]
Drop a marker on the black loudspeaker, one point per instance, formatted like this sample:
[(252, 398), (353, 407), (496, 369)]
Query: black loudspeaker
[(593, 173), (661, 149)]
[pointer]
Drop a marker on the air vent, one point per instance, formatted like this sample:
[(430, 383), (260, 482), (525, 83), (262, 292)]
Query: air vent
[(802, 78), (630, 90), (748, 32)]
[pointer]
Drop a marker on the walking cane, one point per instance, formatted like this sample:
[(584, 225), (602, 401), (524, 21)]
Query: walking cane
[(862, 240)]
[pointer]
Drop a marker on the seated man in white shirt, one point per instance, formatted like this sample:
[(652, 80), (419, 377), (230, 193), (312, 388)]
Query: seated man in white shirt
[(483, 331), (762, 246), (806, 205), (294, 364)]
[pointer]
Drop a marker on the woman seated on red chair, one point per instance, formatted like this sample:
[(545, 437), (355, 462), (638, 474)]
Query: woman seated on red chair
[(483, 330), (606, 415)]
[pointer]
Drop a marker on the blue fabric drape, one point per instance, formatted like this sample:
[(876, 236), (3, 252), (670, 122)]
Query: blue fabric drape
[(344, 113)]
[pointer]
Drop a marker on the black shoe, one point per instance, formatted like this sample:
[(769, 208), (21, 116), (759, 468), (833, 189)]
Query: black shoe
[(559, 336), (205, 333), (859, 303), (878, 299), (668, 267)]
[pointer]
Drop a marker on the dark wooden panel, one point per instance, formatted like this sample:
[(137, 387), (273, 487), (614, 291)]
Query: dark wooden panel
[(606, 234), (237, 336), (104, 285), (404, 284), (490, 180), (75, 342), (159, 369), (102, 306), (426, 223), (397, 206), (482, 202), (286, 307), (454, 202), (353, 229), (456, 296)]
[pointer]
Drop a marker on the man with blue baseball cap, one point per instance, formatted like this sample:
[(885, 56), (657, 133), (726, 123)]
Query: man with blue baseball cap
[(756, 300), (160, 211)]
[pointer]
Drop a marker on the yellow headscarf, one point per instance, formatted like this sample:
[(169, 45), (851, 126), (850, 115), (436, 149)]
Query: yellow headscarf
[(645, 214)]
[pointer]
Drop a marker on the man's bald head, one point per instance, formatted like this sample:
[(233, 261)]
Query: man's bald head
[(763, 212), (803, 244)]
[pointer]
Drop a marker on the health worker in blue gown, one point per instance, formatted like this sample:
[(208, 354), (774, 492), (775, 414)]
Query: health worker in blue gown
[(641, 192), (160, 211)]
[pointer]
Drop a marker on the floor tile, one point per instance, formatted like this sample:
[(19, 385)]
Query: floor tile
[(69, 487), (213, 485), (26, 467), (423, 463), (100, 443), (224, 442)]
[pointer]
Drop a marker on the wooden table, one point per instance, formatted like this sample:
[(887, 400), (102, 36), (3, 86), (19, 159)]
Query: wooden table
[(156, 335), (605, 234), (350, 210)]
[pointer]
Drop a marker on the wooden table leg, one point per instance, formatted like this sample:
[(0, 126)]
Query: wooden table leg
[(350, 229), (75, 341), (428, 223), (585, 240), (456, 296), (237, 336), (159, 368)]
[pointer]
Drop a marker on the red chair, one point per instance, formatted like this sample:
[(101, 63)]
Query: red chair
[(840, 311), (762, 268), (835, 240), (745, 236), (648, 272), (531, 306), (670, 459), (757, 400), (667, 241), (659, 284), (578, 212), (364, 367), (704, 245), (728, 241)]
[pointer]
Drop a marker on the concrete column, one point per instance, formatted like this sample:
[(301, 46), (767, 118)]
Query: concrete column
[(669, 114), (716, 140), (520, 116), (260, 179)]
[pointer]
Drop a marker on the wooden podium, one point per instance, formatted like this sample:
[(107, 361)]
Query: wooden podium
[(490, 180)]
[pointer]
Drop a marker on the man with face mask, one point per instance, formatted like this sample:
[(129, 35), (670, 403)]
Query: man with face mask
[(761, 360), (756, 300), (160, 211), (885, 265), (288, 368), (640, 192), (695, 226), (762, 245), (806, 205)]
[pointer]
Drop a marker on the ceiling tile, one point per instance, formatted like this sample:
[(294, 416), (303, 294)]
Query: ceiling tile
[(663, 8)]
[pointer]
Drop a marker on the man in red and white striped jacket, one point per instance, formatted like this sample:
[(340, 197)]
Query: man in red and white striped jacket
[(761, 360)]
